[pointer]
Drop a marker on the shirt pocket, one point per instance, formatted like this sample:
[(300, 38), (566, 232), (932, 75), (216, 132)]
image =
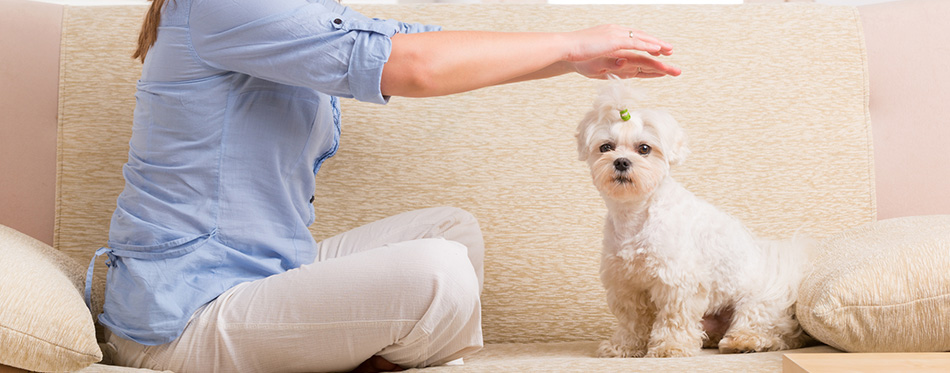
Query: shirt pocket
[(152, 291)]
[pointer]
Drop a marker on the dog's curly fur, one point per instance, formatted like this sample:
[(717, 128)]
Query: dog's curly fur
[(671, 262)]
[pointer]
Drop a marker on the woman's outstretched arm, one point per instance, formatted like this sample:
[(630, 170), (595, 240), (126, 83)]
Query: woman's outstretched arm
[(446, 62)]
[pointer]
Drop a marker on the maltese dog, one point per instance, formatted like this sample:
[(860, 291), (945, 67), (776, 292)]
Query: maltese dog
[(679, 273)]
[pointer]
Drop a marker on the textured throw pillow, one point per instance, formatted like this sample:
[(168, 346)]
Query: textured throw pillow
[(44, 323), (882, 287)]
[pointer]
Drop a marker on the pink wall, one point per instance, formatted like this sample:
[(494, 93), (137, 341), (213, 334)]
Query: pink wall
[(909, 67), (29, 85)]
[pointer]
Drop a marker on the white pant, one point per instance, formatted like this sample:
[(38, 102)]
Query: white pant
[(405, 288)]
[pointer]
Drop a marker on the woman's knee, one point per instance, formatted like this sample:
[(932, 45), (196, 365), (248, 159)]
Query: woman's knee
[(445, 292), (443, 266), (455, 224)]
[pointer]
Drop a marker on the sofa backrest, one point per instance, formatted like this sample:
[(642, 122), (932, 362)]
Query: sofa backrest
[(773, 98)]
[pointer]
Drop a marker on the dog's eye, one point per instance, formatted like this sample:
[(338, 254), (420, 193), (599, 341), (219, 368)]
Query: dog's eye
[(606, 147), (644, 149)]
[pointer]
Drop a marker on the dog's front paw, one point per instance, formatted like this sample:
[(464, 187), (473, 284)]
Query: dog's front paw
[(741, 342), (608, 349), (671, 350)]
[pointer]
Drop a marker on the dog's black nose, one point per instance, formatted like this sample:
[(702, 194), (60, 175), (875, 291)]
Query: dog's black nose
[(622, 164)]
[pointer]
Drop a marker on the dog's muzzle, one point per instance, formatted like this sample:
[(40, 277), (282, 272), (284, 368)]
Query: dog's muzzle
[(621, 165)]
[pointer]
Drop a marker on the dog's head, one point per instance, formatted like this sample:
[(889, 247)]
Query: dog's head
[(629, 151)]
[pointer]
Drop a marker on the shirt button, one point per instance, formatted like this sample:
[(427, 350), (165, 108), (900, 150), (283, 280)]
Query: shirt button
[(338, 21)]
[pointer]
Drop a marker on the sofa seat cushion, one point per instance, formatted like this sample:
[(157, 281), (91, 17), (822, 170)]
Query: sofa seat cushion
[(580, 357), (882, 287)]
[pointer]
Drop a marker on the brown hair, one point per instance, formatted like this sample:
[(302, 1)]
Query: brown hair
[(149, 31)]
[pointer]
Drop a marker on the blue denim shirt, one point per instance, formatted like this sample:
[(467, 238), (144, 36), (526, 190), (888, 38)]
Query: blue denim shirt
[(235, 112)]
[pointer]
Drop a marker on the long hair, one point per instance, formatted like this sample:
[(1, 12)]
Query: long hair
[(149, 31)]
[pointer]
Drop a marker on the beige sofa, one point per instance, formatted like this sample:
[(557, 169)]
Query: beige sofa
[(802, 118)]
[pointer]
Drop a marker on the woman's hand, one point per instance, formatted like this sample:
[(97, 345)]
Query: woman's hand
[(614, 50), (625, 65)]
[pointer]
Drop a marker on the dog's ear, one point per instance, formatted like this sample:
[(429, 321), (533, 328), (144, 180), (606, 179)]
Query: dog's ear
[(672, 136), (583, 136), (680, 150)]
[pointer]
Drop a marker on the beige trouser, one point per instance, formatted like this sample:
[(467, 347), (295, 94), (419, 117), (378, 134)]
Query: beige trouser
[(405, 288)]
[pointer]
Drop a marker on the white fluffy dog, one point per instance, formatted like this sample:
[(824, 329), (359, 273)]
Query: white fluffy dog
[(673, 264)]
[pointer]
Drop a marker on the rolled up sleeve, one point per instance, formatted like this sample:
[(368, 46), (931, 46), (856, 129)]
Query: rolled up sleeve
[(322, 46)]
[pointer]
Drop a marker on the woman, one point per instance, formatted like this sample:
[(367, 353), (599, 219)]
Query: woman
[(212, 267)]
